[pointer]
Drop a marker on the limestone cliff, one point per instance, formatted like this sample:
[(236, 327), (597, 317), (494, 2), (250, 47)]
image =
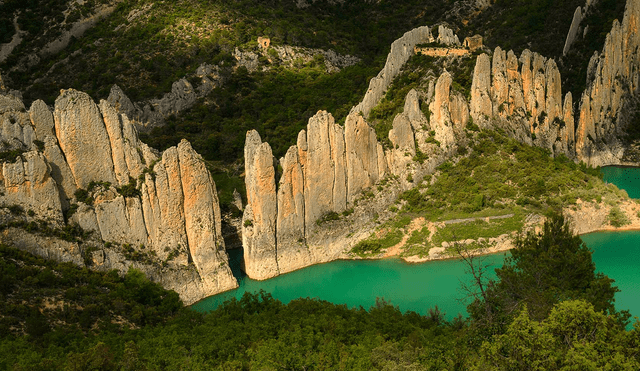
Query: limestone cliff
[(83, 165), (401, 50), (523, 96), (333, 168), (606, 105)]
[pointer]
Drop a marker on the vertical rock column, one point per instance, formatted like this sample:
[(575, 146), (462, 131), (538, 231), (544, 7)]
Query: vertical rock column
[(83, 138), (292, 251), (615, 75), (259, 219), (325, 185), (365, 161), (481, 106), (202, 222)]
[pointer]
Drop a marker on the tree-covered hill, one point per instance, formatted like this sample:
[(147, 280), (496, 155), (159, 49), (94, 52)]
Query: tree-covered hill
[(59, 317)]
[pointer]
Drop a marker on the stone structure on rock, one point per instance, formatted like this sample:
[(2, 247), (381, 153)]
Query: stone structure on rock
[(170, 210), (473, 43), (264, 42)]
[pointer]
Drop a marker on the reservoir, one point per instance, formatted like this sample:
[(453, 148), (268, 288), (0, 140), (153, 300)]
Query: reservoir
[(418, 287)]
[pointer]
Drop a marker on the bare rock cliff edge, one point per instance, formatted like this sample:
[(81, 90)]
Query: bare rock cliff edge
[(82, 165)]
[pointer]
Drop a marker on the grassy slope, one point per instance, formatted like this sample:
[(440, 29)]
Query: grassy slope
[(499, 176)]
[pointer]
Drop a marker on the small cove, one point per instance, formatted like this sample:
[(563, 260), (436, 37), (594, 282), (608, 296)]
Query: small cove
[(418, 287)]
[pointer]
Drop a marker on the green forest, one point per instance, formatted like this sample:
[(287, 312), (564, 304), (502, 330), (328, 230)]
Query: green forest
[(547, 309)]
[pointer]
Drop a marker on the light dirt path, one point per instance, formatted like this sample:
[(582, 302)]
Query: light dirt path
[(420, 222), (415, 224), (485, 218)]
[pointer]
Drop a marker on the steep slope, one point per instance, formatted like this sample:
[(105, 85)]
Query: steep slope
[(82, 165), (333, 168)]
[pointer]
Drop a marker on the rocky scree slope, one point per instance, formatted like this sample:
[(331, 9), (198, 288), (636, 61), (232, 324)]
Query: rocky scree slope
[(332, 168), (82, 165)]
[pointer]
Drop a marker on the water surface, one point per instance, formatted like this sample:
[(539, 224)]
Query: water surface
[(418, 287), (412, 287)]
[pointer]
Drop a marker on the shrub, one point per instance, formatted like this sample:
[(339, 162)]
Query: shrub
[(16, 209), (330, 216), (367, 247), (130, 189), (82, 195), (617, 217)]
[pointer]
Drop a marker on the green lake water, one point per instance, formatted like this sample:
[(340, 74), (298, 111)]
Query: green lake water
[(418, 287)]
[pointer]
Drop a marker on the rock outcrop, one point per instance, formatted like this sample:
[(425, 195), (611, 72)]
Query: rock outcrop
[(87, 158), (183, 95), (524, 97), (259, 218), (401, 51), (606, 105), (573, 30), (290, 56)]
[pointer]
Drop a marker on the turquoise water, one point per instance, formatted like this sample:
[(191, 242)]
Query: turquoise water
[(627, 178), (414, 287), (418, 287), (617, 254)]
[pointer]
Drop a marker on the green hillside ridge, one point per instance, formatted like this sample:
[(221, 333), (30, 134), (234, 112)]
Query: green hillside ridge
[(499, 176), (169, 39), (57, 316)]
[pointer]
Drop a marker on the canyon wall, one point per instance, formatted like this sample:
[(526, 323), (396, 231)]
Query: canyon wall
[(523, 96), (332, 166), (83, 164), (610, 100), (292, 202)]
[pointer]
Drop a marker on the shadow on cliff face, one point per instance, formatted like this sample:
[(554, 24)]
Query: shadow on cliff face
[(236, 257)]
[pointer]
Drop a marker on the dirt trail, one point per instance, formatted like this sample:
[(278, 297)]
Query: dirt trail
[(420, 222), (415, 224)]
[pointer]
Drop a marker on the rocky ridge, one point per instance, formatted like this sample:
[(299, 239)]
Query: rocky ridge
[(331, 167), (82, 165), (607, 104), (287, 55), (183, 95), (333, 170)]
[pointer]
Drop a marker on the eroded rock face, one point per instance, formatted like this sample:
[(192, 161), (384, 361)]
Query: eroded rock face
[(292, 252), (401, 51), (328, 168), (28, 183), (613, 78), (524, 97), (363, 168), (42, 120), (83, 138), (325, 184), (168, 206), (481, 106), (521, 95), (202, 221), (259, 219)]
